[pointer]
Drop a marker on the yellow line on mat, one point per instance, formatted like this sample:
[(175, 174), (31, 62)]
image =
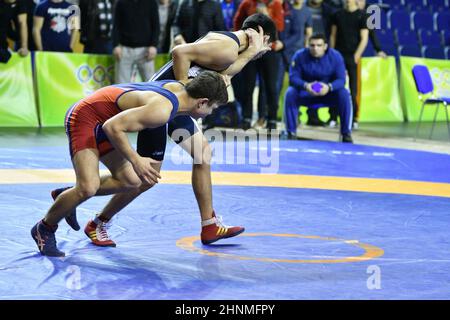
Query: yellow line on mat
[(19, 176)]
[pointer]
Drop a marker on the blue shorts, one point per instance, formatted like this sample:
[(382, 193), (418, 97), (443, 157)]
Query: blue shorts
[(152, 142)]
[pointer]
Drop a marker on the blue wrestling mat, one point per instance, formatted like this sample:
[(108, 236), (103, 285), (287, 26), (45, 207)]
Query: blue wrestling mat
[(336, 221)]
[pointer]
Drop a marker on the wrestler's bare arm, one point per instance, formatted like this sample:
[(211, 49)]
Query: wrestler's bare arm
[(154, 114), (258, 45), (211, 54), (219, 54)]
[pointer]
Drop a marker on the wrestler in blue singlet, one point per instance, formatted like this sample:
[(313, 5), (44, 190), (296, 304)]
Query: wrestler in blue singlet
[(152, 142)]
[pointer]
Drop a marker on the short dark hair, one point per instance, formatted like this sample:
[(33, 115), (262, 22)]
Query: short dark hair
[(259, 19), (318, 36), (208, 84)]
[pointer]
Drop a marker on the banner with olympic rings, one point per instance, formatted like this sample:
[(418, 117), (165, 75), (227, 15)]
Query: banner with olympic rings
[(64, 78)]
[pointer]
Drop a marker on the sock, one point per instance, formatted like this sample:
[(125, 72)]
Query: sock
[(208, 222)]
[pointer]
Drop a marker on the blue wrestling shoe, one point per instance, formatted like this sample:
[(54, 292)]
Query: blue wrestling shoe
[(71, 219), (44, 236)]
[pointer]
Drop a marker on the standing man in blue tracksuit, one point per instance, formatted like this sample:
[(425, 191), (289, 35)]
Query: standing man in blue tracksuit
[(317, 75)]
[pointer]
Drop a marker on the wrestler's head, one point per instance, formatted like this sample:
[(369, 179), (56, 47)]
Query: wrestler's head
[(210, 89), (259, 19)]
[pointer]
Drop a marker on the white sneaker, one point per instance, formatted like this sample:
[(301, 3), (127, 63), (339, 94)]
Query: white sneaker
[(260, 124), (332, 124)]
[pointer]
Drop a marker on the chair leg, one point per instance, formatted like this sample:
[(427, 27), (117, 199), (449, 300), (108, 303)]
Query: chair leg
[(446, 115), (434, 120), (420, 120)]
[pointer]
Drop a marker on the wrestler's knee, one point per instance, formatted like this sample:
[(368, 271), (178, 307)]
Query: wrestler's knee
[(87, 189), (145, 186), (131, 181)]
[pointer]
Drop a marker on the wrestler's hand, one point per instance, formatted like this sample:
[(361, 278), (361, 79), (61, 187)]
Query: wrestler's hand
[(144, 170), (258, 42)]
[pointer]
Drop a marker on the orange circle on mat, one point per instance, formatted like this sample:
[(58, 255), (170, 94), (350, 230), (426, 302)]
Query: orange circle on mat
[(370, 251)]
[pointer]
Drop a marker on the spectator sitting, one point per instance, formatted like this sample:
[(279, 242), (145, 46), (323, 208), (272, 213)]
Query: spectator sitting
[(317, 76)]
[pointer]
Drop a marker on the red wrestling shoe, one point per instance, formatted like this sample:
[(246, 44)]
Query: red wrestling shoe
[(213, 230), (98, 234)]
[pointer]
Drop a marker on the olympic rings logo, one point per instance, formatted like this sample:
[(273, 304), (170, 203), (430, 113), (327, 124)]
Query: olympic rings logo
[(100, 75)]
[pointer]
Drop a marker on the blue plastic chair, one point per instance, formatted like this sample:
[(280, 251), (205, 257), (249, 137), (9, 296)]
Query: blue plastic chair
[(399, 19), (422, 20), (416, 5), (443, 3), (410, 51), (438, 5), (442, 21), (429, 38), (393, 4), (446, 37), (406, 37), (369, 51), (424, 85), (391, 50), (385, 36), (433, 52)]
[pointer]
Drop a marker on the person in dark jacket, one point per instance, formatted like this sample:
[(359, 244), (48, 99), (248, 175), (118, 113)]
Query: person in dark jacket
[(96, 25), (195, 18), (167, 12), (317, 76), (135, 38), (322, 15)]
